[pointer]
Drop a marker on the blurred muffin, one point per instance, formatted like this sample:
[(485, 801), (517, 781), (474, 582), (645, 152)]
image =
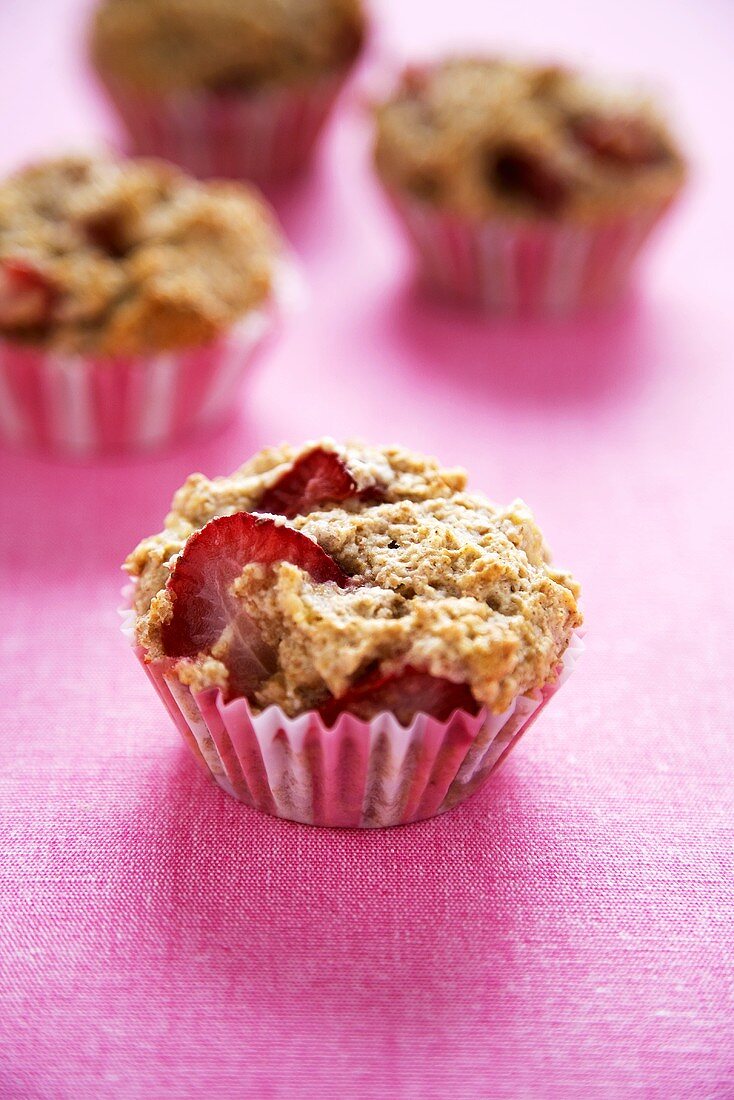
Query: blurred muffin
[(131, 299), (347, 636), (525, 188), (235, 88)]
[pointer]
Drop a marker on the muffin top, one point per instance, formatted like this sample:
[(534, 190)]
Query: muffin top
[(482, 137), (223, 45), (128, 257), (351, 578)]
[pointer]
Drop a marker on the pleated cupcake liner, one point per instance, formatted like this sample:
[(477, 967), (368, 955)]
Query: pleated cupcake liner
[(263, 136), (88, 405), (515, 268), (356, 774)]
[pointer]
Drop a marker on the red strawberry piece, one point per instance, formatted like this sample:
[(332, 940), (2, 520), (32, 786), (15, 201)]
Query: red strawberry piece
[(27, 295), (522, 175), (415, 79), (316, 478), (621, 139), (204, 605), (108, 232), (405, 694)]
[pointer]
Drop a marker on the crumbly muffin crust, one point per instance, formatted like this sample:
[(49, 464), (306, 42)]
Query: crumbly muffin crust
[(126, 257), (219, 45), (449, 583), (482, 137)]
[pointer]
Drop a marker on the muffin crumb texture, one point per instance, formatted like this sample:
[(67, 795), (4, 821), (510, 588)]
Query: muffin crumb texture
[(223, 45), (108, 257), (436, 579), (480, 137)]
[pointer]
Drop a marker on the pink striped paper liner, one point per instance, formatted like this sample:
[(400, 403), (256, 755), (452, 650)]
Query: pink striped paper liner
[(355, 775), (83, 405), (520, 268), (262, 136)]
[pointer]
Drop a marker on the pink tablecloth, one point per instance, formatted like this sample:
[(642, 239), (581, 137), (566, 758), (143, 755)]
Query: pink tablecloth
[(568, 932)]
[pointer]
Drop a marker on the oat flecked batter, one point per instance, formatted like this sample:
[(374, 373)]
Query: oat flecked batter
[(448, 583), (126, 257)]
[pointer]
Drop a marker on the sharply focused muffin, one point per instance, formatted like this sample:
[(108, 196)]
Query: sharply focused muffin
[(429, 577), (504, 151), (226, 87), (107, 265), (345, 583)]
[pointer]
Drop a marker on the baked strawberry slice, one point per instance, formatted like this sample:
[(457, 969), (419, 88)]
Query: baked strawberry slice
[(523, 175), (107, 231), (404, 694), (27, 295), (319, 477), (206, 611), (619, 139), (415, 79)]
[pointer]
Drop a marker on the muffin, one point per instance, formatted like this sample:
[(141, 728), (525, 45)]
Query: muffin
[(237, 88), (131, 300), (345, 635), (525, 189)]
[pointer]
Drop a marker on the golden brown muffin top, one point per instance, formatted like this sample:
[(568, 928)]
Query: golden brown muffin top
[(221, 45), (126, 257), (442, 581), (482, 137)]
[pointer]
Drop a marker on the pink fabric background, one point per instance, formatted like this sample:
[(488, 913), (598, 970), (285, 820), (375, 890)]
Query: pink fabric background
[(568, 932)]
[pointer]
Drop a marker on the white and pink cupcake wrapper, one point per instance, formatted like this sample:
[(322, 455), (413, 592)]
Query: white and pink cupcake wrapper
[(519, 268), (262, 136), (357, 774), (84, 405)]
